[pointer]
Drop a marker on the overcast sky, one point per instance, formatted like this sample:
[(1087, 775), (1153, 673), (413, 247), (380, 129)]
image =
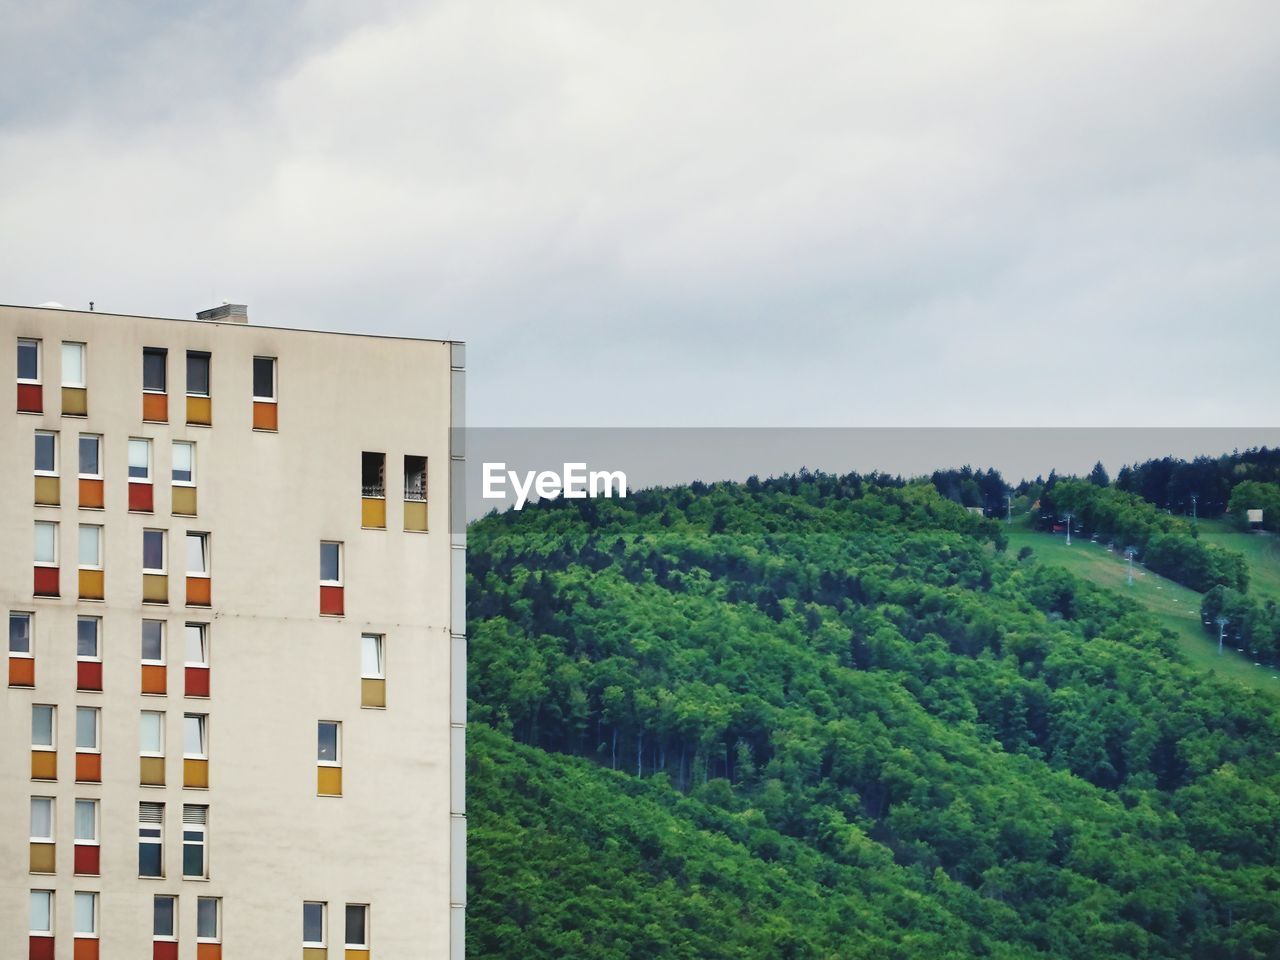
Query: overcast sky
[(683, 213)]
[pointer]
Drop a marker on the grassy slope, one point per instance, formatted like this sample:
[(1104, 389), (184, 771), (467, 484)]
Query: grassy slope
[(1175, 606)]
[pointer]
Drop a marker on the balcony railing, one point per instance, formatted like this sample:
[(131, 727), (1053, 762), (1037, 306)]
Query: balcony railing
[(373, 491), (415, 491)]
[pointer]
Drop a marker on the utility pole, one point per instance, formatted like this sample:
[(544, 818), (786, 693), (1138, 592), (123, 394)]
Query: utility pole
[(1194, 498), (1008, 501), (1222, 629), (1129, 554), (1069, 516)]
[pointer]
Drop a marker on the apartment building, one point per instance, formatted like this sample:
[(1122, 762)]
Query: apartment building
[(231, 571)]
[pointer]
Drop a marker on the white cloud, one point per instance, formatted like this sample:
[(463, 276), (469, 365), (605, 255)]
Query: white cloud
[(738, 213)]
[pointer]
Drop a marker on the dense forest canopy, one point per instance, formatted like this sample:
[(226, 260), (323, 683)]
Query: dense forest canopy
[(823, 716)]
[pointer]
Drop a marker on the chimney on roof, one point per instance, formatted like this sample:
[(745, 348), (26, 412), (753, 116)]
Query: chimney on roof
[(227, 313)]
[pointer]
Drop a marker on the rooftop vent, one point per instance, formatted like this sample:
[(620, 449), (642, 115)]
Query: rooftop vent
[(227, 313)]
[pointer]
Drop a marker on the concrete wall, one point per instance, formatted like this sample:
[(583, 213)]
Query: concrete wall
[(277, 667)]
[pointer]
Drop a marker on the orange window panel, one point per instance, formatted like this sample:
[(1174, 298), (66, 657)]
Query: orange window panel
[(265, 416), (154, 678), (208, 951), (199, 591), (22, 672), (92, 584), (44, 765), (91, 497), (155, 407), (88, 768), (86, 948)]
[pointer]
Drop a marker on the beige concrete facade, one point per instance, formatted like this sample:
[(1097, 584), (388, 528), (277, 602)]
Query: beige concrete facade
[(395, 838)]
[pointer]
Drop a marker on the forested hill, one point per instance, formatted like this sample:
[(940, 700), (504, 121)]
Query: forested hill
[(828, 717)]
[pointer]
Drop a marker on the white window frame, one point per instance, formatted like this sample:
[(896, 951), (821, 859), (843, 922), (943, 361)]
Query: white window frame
[(97, 439), (339, 545), (323, 942), (157, 841), (172, 936), (217, 920), (97, 636), (202, 733), (203, 829), (39, 360), (150, 474), (204, 553), (96, 712), (164, 552), (53, 434), (275, 388), (52, 804), (84, 364), (52, 745), (96, 839), (54, 561), (164, 354), (190, 445), (48, 896), (163, 644), (367, 937), (203, 630), (208, 359), (158, 717), (75, 919), (426, 464), (80, 546), (381, 640), (337, 744), (31, 633)]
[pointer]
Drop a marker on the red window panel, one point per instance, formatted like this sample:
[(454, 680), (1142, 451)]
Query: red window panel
[(331, 601), (46, 582), (30, 398), (164, 950), (89, 675), (141, 497), (41, 948), (197, 681), (88, 859)]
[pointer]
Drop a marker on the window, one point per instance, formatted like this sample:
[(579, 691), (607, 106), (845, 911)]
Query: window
[(195, 820), (20, 635), (43, 726), (46, 454), (46, 544), (264, 379), (357, 926), (88, 638), (330, 562), (86, 914), (153, 551), (184, 463), (86, 821), (313, 924), (41, 913), (151, 839), (373, 475), (415, 478), (197, 374), (90, 546), (197, 554), (87, 728), (73, 364), (155, 375), (197, 645), (371, 649), (153, 642), (90, 456), (164, 923), (151, 738), (328, 752), (208, 919), (140, 460), (195, 743), (28, 361), (42, 819)]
